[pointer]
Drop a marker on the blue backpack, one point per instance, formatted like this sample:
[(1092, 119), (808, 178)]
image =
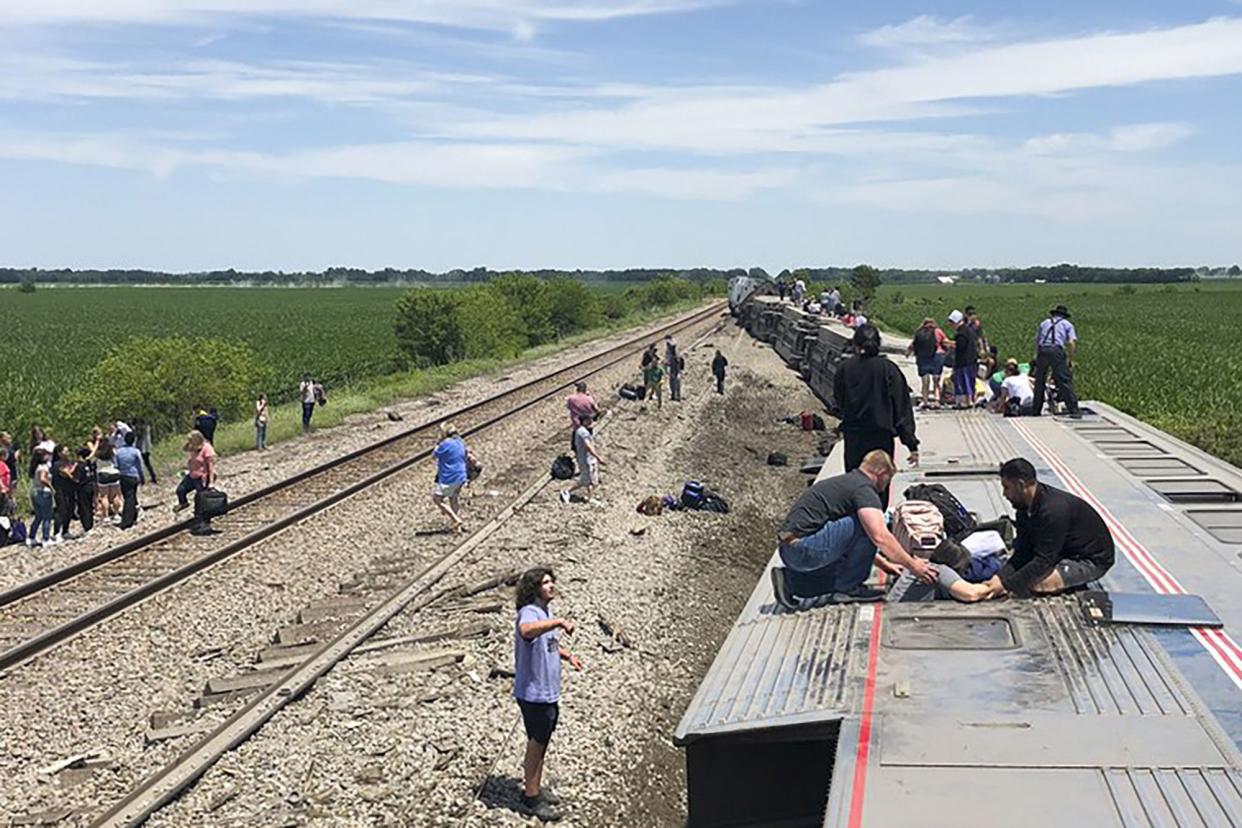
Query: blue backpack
[(18, 533), (982, 567)]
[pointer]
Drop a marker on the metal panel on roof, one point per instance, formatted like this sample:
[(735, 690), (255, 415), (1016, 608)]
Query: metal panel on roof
[(778, 670)]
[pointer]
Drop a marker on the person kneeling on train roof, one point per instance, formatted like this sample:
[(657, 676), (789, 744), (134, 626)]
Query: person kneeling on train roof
[(873, 402), (830, 538), (1062, 541)]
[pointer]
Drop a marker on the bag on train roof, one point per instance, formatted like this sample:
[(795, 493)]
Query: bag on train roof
[(209, 503), (918, 527), (958, 523), (563, 468)]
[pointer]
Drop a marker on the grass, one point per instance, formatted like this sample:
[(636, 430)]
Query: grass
[(1164, 353)]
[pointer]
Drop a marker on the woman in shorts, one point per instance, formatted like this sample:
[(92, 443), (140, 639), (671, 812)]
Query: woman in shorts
[(537, 654), (450, 454)]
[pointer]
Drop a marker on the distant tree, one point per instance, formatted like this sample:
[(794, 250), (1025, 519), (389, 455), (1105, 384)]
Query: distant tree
[(1235, 271), (489, 328), (865, 280), (27, 284), (427, 327), (574, 307), (161, 379), (758, 273), (531, 297)]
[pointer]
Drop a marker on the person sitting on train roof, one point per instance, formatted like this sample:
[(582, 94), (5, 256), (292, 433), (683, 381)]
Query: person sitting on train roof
[(1062, 542), (1016, 396), (829, 540)]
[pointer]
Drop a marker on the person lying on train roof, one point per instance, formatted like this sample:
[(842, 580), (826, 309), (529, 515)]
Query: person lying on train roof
[(1062, 542), (829, 540)]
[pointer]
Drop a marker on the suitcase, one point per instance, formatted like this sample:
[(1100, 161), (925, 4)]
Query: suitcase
[(918, 527), (210, 503)]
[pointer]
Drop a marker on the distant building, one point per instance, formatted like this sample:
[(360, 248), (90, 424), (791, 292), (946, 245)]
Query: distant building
[(946, 280)]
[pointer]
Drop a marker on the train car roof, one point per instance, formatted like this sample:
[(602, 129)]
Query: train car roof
[(1018, 712)]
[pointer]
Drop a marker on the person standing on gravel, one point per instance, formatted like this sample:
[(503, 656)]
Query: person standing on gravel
[(260, 422), (537, 655), (580, 404), (673, 363), (588, 461), (129, 465), (450, 454), (200, 474), (306, 393), (719, 363), (653, 379)]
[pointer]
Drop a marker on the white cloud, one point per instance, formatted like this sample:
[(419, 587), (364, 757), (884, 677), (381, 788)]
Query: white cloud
[(779, 119), (498, 15), (924, 32), (1128, 138)]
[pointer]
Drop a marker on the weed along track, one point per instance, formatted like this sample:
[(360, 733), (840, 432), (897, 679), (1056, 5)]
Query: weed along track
[(40, 614)]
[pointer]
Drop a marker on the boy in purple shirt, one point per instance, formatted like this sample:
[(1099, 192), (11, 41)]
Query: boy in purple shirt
[(537, 654)]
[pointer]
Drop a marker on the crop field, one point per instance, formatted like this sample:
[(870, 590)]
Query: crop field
[(1168, 354), (55, 334)]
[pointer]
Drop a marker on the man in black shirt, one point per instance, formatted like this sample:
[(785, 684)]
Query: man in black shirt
[(965, 360), (1062, 542), (873, 402), (829, 540)]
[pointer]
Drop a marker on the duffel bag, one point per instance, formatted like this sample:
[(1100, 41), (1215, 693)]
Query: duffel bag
[(209, 503), (563, 468)]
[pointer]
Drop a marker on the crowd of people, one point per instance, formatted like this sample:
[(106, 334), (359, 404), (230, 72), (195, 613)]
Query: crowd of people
[(97, 480), (837, 530), (976, 376)]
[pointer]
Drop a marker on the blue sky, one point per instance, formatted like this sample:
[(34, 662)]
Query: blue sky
[(301, 134)]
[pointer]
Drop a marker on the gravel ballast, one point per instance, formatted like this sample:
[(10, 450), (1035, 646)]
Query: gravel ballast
[(443, 746)]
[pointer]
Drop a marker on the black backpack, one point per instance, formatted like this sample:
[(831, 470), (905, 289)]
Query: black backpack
[(925, 343), (958, 523), (563, 468)]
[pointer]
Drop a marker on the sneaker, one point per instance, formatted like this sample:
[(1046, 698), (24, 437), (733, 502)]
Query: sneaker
[(31, 543), (549, 796), (538, 808), (781, 590), (860, 594), (1077, 415), (180, 506), (565, 496)]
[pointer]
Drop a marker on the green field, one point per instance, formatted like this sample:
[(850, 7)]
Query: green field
[(54, 335), (1165, 353)]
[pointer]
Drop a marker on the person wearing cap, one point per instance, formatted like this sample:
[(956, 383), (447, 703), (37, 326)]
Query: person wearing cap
[(965, 360), (1055, 344)]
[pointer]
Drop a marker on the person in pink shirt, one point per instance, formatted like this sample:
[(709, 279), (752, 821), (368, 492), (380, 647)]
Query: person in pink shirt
[(580, 404), (200, 473)]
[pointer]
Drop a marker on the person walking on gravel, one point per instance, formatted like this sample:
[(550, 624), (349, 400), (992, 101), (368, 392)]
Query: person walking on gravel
[(588, 461), (719, 363), (41, 496), (450, 454), (537, 655)]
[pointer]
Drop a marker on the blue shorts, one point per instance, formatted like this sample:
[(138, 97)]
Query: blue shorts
[(931, 367), (540, 719)]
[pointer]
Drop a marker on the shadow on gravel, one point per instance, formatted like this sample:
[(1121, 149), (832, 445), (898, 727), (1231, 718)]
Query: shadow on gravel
[(501, 792)]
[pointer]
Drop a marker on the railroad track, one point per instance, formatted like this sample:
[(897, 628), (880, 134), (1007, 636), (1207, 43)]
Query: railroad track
[(47, 611), (416, 593)]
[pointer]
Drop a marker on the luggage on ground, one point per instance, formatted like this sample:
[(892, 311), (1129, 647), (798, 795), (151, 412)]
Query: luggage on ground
[(630, 392), (473, 467), (694, 495), (918, 527), (776, 458), (807, 420), (651, 505), (210, 503), (958, 523), (17, 534), (563, 468)]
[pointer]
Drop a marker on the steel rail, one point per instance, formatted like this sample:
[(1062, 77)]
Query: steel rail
[(45, 640)]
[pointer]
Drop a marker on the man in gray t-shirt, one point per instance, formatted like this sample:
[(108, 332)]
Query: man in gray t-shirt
[(830, 537)]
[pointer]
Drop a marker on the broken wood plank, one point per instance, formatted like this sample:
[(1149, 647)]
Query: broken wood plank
[(153, 735), (306, 633), (396, 663), (340, 608), (245, 681), (474, 630), (509, 578)]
